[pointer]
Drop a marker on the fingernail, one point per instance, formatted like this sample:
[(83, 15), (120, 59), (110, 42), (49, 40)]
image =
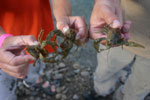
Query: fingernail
[(116, 24), (65, 29), (35, 43)]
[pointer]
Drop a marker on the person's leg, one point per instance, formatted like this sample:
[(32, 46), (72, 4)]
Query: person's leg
[(138, 84), (7, 87), (110, 63)]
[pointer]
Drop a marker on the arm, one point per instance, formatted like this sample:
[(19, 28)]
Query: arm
[(61, 8)]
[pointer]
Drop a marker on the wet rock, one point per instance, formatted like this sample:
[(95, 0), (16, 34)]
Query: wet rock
[(53, 88), (62, 65), (58, 90), (68, 80), (85, 73), (64, 97), (76, 65), (76, 71), (66, 91), (44, 95), (63, 88), (31, 98), (76, 97), (37, 98), (39, 80), (62, 70), (58, 76), (27, 92), (58, 96), (45, 84)]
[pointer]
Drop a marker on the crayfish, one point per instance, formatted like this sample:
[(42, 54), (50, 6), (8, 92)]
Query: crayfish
[(113, 39), (61, 50)]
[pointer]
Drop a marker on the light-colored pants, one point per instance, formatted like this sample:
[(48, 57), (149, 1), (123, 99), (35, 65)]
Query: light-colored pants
[(110, 69), (8, 84)]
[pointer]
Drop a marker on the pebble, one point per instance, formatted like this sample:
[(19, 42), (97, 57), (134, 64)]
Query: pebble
[(63, 88), (76, 71), (76, 97), (68, 80), (44, 95), (58, 90), (66, 91), (39, 80), (76, 65), (85, 73), (53, 88), (45, 84), (62, 65), (62, 70), (64, 97), (58, 96), (58, 76)]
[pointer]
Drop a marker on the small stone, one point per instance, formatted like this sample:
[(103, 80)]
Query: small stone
[(58, 76), (68, 80), (66, 91), (44, 95), (38, 98), (64, 97), (76, 97), (45, 84), (32, 98), (62, 70), (53, 88), (76, 65), (39, 80), (58, 96), (62, 65), (63, 88), (85, 74), (58, 90), (76, 71)]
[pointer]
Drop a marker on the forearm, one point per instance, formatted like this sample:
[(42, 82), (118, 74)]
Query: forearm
[(61, 8)]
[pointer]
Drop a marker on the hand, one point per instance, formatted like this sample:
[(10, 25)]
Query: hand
[(13, 59), (107, 12), (75, 22)]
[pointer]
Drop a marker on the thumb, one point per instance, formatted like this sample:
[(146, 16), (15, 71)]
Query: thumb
[(26, 40), (63, 26)]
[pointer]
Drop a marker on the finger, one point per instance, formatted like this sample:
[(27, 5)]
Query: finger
[(119, 15), (16, 75), (95, 32), (126, 27), (79, 24), (110, 17), (63, 25), (22, 59), (28, 40), (14, 69)]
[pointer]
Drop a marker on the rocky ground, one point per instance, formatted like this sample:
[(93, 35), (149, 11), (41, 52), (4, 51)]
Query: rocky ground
[(66, 80)]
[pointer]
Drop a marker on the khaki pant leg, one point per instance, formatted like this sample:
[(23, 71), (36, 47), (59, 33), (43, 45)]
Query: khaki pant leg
[(110, 64), (138, 84)]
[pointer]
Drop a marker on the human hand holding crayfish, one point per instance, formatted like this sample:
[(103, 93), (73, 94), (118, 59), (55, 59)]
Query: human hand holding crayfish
[(107, 27), (14, 60)]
